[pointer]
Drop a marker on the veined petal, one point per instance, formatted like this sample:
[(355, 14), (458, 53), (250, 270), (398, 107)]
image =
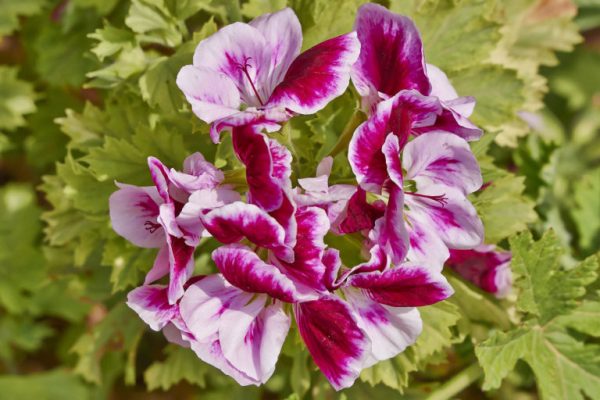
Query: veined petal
[(317, 76), (244, 269), (391, 57), (442, 158), (379, 261), (210, 352), (211, 94), (252, 335), (268, 119), (151, 303), (240, 52), (205, 301), (285, 215), (392, 233), (133, 214), (391, 152), (233, 222), (160, 177), (390, 329), (358, 214), (408, 285), (335, 341), (453, 218), (425, 244), (283, 34)]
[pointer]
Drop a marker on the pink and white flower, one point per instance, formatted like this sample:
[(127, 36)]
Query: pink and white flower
[(485, 267), (257, 67), (154, 216)]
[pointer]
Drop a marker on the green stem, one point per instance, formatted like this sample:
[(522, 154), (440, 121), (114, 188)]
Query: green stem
[(457, 384), (342, 143)]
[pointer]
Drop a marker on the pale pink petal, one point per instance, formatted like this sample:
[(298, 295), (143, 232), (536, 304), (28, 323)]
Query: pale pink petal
[(447, 212), (211, 94), (244, 269), (240, 52), (283, 34), (252, 335), (205, 301), (335, 341), (444, 159), (391, 152), (160, 267), (390, 329), (152, 305), (391, 57), (440, 84), (408, 285), (391, 233), (133, 215), (197, 174), (317, 76), (425, 244), (201, 202), (269, 119), (233, 222)]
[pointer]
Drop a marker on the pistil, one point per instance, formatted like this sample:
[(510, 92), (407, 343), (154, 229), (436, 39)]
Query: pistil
[(440, 198), (244, 68)]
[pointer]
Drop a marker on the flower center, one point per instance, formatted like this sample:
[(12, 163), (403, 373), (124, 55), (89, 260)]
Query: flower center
[(151, 226), (244, 68), (440, 198)]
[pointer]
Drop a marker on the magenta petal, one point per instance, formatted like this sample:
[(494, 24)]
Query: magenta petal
[(181, 259), (252, 335), (442, 158), (211, 94), (235, 221), (133, 215), (283, 34), (390, 329), (337, 345), (409, 285), (358, 214), (391, 233), (317, 76), (485, 267), (152, 305), (266, 172), (285, 215), (160, 177), (307, 267), (391, 57), (244, 269), (391, 152)]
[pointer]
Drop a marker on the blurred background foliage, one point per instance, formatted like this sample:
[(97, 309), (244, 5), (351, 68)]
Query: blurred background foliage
[(87, 92)]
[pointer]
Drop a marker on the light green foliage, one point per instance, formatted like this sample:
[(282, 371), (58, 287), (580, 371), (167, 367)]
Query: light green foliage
[(254, 8), (180, 364), (585, 214), (16, 99), (52, 385), (12, 10), (550, 300)]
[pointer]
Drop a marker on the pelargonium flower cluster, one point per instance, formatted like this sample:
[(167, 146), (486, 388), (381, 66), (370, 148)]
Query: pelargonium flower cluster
[(408, 209)]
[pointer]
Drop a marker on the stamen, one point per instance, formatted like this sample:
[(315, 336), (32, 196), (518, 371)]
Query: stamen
[(244, 68), (440, 198), (151, 226)]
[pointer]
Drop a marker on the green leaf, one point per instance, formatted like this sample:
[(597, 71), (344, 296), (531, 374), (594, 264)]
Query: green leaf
[(12, 10), (180, 364), (453, 29), (255, 8), (565, 365), (503, 208), (587, 204), (52, 385), (153, 23), (111, 40), (16, 99), (545, 288)]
